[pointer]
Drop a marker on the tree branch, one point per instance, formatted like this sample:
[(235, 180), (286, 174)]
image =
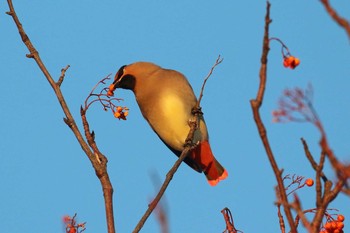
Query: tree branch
[(63, 74), (100, 168), (311, 159), (256, 104)]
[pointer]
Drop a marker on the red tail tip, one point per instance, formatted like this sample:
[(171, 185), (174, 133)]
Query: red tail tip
[(223, 176)]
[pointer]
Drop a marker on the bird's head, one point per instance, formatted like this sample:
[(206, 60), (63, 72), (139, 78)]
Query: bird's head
[(128, 76)]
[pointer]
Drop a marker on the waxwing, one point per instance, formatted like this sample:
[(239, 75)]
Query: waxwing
[(166, 100)]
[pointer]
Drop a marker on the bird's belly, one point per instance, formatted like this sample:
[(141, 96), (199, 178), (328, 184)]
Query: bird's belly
[(171, 121)]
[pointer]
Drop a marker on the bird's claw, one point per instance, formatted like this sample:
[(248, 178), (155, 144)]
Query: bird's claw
[(190, 143), (197, 111)]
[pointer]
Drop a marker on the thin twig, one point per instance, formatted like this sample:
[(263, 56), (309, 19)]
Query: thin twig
[(256, 104), (63, 73), (318, 180), (321, 204), (99, 162), (311, 159), (230, 227), (217, 62)]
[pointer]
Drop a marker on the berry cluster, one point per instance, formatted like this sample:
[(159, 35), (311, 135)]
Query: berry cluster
[(291, 62), (334, 225), (72, 226), (121, 112)]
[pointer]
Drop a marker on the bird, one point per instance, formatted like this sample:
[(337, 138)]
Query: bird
[(166, 100)]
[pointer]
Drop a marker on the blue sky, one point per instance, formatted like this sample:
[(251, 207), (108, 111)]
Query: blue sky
[(44, 173)]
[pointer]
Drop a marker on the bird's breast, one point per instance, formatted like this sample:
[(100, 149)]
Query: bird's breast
[(169, 118)]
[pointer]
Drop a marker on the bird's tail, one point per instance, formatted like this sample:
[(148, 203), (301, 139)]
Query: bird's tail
[(212, 169)]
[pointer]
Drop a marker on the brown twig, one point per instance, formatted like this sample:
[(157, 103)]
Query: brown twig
[(71, 224), (63, 74), (100, 168), (323, 200), (318, 180), (230, 227), (311, 159), (336, 17), (256, 104), (189, 145), (102, 97), (99, 162), (217, 62)]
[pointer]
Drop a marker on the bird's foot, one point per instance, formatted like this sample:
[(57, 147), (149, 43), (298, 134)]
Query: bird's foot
[(197, 111), (190, 143)]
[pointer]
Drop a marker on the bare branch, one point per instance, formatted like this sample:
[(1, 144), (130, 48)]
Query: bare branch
[(256, 104), (63, 73), (217, 62), (230, 227), (322, 201), (318, 180), (311, 159), (56, 88), (100, 168)]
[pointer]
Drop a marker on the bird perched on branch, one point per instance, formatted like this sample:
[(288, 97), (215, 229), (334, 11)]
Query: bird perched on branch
[(166, 100)]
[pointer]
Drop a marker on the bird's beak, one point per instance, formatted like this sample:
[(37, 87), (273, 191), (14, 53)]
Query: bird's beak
[(111, 89)]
